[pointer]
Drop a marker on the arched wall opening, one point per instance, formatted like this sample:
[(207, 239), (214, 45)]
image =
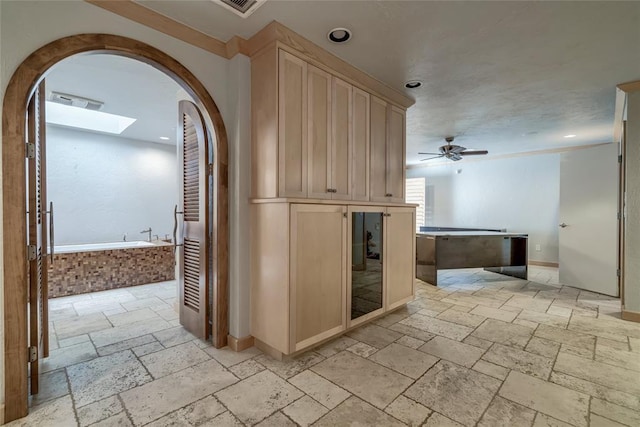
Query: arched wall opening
[(19, 90)]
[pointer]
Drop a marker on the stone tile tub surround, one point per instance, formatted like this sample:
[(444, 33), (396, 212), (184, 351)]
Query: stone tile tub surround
[(79, 269), (512, 369)]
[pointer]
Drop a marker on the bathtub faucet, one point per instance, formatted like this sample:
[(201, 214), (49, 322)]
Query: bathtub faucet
[(147, 231)]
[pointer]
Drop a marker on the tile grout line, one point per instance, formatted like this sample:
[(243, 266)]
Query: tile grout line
[(124, 409), (71, 395)]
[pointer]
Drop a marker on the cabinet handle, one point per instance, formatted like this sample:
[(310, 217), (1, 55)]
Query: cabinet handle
[(388, 195), (331, 190)]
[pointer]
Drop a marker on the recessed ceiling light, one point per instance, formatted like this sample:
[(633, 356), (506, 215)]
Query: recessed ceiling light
[(570, 136), (164, 138), (339, 35), (76, 117), (413, 84)]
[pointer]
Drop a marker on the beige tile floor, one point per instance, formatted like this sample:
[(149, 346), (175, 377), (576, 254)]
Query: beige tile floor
[(480, 349)]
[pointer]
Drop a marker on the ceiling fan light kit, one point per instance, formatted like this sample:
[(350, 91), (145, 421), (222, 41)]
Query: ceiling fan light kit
[(454, 152)]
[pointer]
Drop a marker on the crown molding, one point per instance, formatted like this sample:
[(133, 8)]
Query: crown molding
[(169, 26)]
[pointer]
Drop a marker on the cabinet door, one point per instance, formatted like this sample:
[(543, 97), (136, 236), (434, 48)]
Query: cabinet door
[(360, 159), (318, 257), (396, 155), (378, 153), (319, 133), (341, 143), (400, 256), (292, 126)]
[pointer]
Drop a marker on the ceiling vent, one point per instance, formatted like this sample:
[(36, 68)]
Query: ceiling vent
[(242, 8), (75, 101)]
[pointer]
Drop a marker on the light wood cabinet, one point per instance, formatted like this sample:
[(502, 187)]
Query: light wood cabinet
[(387, 152), (329, 136), (317, 136), (378, 171), (396, 155), (317, 264), (319, 133), (316, 271), (382, 254), (298, 263), (292, 126), (360, 157), (323, 146), (400, 250), (341, 141)]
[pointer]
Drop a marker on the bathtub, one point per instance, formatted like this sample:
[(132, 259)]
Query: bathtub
[(89, 247), (78, 269)]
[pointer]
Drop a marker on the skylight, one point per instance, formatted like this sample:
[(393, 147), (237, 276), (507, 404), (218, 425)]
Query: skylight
[(75, 117)]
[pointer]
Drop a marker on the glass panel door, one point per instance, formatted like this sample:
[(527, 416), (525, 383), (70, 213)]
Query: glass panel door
[(366, 263)]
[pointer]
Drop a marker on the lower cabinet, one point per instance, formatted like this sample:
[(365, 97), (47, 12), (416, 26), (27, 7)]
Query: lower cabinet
[(382, 254), (401, 256), (318, 258), (319, 269)]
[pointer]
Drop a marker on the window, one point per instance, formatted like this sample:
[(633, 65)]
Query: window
[(416, 190)]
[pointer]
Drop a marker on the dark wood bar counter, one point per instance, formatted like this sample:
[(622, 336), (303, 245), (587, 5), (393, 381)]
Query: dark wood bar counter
[(504, 253)]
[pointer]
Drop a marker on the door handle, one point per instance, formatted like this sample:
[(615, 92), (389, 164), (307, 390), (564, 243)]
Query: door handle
[(51, 235), (563, 225), (175, 228)]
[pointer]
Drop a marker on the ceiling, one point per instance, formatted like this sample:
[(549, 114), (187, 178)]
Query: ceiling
[(504, 76), (127, 87), (508, 77)]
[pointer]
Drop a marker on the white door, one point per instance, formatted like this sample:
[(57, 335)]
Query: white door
[(588, 219)]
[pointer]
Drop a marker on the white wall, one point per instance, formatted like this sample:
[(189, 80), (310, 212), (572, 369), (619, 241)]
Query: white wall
[(239, 131), (520, 194), (632, 208), (28, 25), (104, 186)]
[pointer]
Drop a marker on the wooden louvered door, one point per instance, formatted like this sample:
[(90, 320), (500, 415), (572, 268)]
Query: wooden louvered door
[(37, 239), (193, 255)]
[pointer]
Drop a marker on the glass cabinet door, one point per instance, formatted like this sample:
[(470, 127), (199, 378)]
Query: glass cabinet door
[(366, 262)]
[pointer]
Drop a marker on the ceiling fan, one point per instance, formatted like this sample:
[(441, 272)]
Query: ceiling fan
[(454, 152)]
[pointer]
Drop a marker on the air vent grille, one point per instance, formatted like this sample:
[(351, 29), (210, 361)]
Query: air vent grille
[(241, 5), (76, 101), (242, 8)]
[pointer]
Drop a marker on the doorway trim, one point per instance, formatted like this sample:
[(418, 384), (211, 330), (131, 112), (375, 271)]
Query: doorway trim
[(20, 88)]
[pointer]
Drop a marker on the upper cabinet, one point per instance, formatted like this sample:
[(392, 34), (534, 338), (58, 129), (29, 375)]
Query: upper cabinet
[(387, 152), (319, 133), (317, 136), (329, 136), (341, 139), (360, 159), (292, 126)]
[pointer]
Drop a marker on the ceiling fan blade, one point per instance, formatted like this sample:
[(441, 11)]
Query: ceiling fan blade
[(433, 154), (474, 153), (456, 149), (430, 158), (455, 157)]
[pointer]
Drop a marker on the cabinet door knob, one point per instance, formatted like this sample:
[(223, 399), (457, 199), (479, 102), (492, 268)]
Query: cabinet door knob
[(388, 195)]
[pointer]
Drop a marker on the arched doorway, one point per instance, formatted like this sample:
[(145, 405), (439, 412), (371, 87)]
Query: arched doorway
[(20, 88)]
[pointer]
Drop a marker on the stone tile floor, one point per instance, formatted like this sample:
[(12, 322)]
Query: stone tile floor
[(480, 349)]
